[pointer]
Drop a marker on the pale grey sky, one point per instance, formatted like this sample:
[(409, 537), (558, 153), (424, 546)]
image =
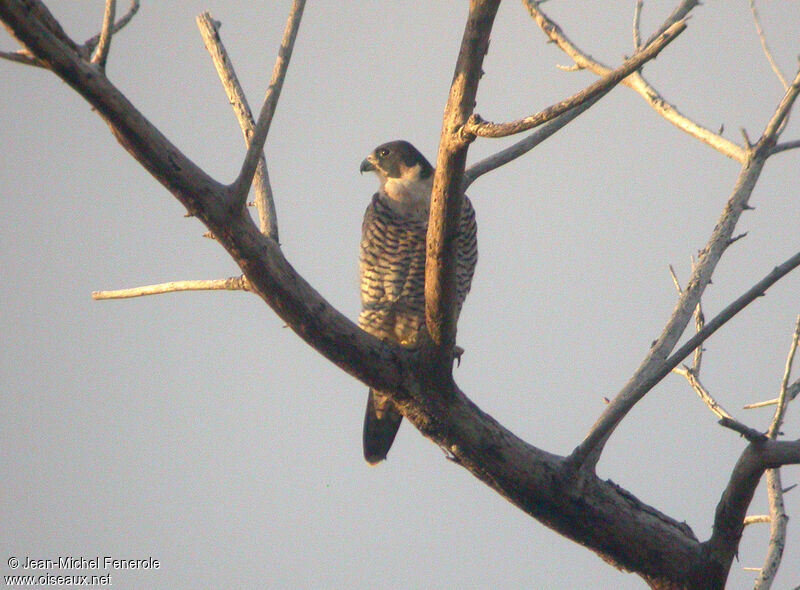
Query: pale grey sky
[(196, 429)]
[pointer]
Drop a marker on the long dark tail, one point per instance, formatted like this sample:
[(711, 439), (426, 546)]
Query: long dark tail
[(381, 422)]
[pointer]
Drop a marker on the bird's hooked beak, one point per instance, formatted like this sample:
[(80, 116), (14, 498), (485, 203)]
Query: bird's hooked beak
[(368, 165)]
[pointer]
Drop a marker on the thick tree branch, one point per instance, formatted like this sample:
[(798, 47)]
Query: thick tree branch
[(23, 56), (378, 364), (652, 369), (731, 511), (241, 187), (596, 513), (447, 195), (477, 126), (265, 203)]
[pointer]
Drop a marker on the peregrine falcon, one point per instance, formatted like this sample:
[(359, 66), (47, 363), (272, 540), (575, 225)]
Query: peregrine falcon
[(392, 268)]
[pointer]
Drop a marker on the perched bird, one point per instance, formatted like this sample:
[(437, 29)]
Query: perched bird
[(392, 268)]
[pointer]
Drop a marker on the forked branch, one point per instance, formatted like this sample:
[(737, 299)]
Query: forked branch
[(636, 81), (241, 187), (265, 203), (476, 126)]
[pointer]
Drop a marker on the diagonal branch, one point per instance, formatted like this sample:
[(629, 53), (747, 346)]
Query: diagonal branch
[(265, 204), (477, 126), (104, 44), (92, 42), (23, 56), (731, 511), (654, 370), (241, 186), (384, 366), (777, 123), (784, 396), (762, 37), (523, 146), (636, 82)]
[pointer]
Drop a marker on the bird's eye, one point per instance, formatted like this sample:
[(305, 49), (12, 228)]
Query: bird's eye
[(383, 152)]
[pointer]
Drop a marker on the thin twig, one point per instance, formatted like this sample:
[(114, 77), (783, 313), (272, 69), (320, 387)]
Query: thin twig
[(637, 16), (777, 123), (782, 147), (649, 373), (476, 126), (636, 82), (264, 201), (694, 380), (101, 53), (792, 391), (523, 146), (90, 44), (22, 57), (751, 434), (763, 38), (239, 283), (241, 186), (757, 519), (764, 404), (777, 531), (783, 397)]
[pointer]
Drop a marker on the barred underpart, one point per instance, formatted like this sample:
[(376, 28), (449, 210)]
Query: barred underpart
[(392, 264)]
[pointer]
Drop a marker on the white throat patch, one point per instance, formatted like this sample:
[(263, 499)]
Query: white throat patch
[(409, 192)]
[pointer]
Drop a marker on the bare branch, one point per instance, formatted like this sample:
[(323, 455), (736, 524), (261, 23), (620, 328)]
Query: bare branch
[(782, 147), (751, 434), (92, 42), (239, 283), (241, 186), (382, 365), (637, 82), (680, 13), (104, 45), (265, 203), (477, 126), (726, 419), (783, 398), (757, 519), (652, 368), (777, 531), (523, 146), (22, 57), (780, 117), (792, 392), (763, 38), (447, 196), (732, 507), (637, 16)]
